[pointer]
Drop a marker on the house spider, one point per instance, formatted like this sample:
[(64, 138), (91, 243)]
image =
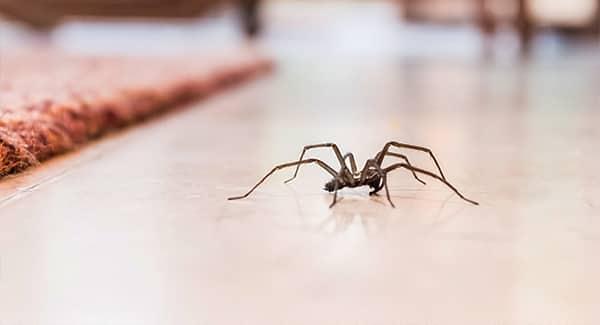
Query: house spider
[(372, 174)]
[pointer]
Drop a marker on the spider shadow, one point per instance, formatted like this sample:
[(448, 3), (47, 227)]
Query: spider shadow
[(374, 213), (352, 209)]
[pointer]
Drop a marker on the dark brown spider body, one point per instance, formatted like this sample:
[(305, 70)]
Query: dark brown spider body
[(373, 174), (374, 182)]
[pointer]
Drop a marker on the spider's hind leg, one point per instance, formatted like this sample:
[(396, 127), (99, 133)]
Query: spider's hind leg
[(333, 146), (350, 157), (335, 191), (323, 165)]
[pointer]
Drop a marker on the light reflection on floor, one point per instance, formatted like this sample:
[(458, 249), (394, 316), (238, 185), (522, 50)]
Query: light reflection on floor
[(150, 237)]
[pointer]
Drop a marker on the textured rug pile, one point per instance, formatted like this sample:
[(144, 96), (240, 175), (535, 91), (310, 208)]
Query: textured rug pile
[(51, 103)]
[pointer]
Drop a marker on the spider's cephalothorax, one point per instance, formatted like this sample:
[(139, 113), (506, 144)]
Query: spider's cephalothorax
[(373, 174), (375, 183)]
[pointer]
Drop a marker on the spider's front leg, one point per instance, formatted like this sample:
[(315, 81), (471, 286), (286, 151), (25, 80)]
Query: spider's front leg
[(335, 149), (403, 157), (430, 174), (385, 152)]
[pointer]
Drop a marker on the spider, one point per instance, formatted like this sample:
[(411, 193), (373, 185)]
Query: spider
[(373, 174)]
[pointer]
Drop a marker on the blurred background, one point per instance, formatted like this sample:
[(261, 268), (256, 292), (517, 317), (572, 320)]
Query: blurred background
[(504, 91), (421, 28)]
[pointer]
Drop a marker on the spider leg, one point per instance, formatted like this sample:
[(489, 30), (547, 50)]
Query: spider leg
[(430, 174), (405, 158), (387, 146), (335, 191), (350, 156), (323, 165), (333, 146), (382, 173)]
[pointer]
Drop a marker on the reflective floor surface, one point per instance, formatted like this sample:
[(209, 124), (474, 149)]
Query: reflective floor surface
[(136, 228)]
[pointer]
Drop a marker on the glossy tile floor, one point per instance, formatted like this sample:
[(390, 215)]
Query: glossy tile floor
[(136, 228)]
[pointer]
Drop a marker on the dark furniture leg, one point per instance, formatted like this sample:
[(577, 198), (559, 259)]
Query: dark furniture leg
[(249, 10), (524, 27)]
